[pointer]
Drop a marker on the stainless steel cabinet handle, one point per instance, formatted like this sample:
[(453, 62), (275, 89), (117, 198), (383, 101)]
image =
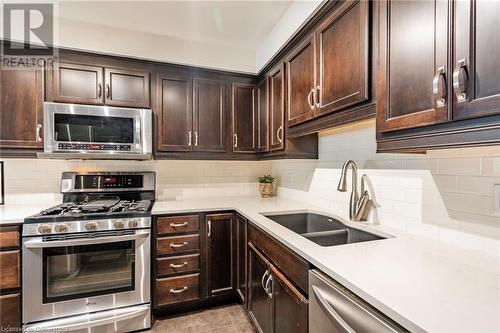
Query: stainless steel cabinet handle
[(178, 291), (325, 305), (178, 225), (99, 90), (309, 99), (268, 286), (178, 265), (460, 80), (278, 132), (235, 140), (189, 138), (195, 138), (38, 135), (209, 224), (107, 91), (439, 95), (316, 96), (263, 278), (176, 245)]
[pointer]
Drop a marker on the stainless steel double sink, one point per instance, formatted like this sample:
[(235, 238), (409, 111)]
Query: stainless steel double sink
[(321, 229)]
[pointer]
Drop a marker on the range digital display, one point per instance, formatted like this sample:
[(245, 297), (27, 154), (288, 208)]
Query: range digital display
[(108, 181)]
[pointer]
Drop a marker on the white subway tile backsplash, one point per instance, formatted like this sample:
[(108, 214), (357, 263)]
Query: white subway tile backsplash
[(491, 166), (460, 166)]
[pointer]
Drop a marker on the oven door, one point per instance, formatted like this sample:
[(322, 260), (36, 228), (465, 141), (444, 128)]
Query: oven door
[(81, 273), (72, 128)]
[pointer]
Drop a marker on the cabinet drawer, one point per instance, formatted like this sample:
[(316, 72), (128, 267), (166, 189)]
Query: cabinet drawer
[(178, 264), (9, 238), (9, 269), (294, 266), (10, 311), (175, 224), (177, 244), (177, 289)]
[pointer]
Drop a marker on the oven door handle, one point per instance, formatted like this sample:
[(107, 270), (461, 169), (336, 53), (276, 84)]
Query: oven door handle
[(37, 242), (79, 324)]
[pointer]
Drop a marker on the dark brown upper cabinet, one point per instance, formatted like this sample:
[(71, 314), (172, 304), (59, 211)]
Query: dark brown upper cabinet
[(476, 72), (219, 254), (73, 83), (126, 88), (301, 81), (209, 116), (21, 108), (263, 115), (412, 73), (244, 118), (342, 58), (277, 108), (175, 113), (83, 84)]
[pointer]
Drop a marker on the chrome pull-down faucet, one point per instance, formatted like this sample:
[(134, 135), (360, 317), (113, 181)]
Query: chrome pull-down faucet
[(359, 208)]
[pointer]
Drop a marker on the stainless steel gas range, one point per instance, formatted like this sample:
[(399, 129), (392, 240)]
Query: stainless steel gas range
[(86, 262)]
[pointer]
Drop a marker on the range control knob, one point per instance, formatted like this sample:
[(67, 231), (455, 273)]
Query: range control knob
[(91, 226), (119, 224), (61, 227), (133, 223), (44, 229)]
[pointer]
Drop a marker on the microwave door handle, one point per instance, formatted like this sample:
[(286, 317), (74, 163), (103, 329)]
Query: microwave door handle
[(83, 324), (37, 242)]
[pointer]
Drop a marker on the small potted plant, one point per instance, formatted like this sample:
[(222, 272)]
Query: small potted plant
[(266, 186)]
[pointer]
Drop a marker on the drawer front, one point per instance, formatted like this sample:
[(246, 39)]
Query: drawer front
[(10, 265), (177, 224), (177, 289), (9, 238), (10, 311), (177, 244), (178, 264), (295, 267)]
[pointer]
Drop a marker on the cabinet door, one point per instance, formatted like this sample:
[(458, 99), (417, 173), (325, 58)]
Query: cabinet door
[(10, 269), (277, 107), (243, 112), (290, 306), (412, 64), (476, 83), (342, 49), (175, 114), (21, 108), (301, 78), (259, 301), (209, 116), (241, 258), (10, 312), (73, 83), (127, 88), (219, 253), (263, 116)]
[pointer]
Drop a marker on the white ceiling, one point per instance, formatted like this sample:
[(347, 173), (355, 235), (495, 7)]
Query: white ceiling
[(241, 24)]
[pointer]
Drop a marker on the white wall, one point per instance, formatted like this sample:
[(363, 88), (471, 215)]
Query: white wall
[(293, 19), (442, 194)]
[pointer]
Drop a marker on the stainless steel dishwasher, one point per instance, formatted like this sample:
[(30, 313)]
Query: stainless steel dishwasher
[(334, 309)]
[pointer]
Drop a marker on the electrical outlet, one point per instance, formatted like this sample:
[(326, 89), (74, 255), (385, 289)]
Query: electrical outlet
[(496, 194)]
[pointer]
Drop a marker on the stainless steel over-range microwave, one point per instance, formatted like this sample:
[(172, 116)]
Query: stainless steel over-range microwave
[(96, 132)]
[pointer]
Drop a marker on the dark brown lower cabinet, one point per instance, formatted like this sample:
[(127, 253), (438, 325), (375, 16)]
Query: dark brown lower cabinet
[(241, 258), (219, 262), (10, 280), (274, 303), (10, 311)]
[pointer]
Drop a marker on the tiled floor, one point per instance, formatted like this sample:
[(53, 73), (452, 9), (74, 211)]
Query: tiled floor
[(227, 319)]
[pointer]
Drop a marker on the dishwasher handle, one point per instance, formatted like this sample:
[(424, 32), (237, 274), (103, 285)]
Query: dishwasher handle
[(334, 316)]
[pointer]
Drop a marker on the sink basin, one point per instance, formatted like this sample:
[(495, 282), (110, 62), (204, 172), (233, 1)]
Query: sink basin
[(322, 230)]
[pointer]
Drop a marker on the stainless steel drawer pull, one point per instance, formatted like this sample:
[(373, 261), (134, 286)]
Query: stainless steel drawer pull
[(268, 287), (179, 265), (440, 94), (460, 80), (38, 135), (178, 291), (178, 225), (279, 134), (263, 278), (309, 99), (209, 226), (175, 245)]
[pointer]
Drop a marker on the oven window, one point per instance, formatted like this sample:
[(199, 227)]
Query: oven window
[(81, 128), (88, 270)]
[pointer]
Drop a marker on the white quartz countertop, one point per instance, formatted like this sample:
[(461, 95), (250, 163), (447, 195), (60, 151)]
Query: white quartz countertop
[(15, 213), (423, 285)]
